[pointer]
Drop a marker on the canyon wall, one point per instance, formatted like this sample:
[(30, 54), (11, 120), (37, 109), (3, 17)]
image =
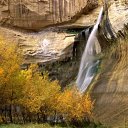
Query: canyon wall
[(111, 87), (110, 90), (36, 14)]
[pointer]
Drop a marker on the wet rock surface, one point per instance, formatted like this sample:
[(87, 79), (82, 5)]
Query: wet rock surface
[(111, 87), (111, 84)]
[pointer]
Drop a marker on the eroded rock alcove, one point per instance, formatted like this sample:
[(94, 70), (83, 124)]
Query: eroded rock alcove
[(52, 48)]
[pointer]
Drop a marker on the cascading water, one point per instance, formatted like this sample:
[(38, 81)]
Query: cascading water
[(89, 62)]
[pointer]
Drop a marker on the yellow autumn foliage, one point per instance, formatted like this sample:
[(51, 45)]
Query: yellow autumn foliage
[(10, 62), (74, 105), (37, 89), (35, 92)]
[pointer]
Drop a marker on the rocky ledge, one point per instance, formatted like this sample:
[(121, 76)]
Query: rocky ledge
[(56, 43)]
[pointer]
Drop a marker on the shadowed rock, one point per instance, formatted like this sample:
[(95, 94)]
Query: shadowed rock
[(111, 85)]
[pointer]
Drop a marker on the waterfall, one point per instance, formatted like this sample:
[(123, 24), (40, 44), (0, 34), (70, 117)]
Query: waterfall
[(89, 62)]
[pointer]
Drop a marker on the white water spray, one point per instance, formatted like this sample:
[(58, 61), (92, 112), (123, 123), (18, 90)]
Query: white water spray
[(89, 63)]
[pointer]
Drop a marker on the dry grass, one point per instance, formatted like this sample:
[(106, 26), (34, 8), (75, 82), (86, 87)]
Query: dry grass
[(29, 126)]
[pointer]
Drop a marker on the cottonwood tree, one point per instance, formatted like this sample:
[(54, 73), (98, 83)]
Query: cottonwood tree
[(35, 93), (10, 83), (74, 106)]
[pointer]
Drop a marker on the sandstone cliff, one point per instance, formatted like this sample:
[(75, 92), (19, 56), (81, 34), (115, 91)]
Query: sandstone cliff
[(111, 87), (36, 14)]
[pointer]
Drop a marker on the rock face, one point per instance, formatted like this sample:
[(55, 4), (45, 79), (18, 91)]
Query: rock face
[(111, 88), (46, 46), (52, 50), (36, 14), (111, 85), (118, 13)]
